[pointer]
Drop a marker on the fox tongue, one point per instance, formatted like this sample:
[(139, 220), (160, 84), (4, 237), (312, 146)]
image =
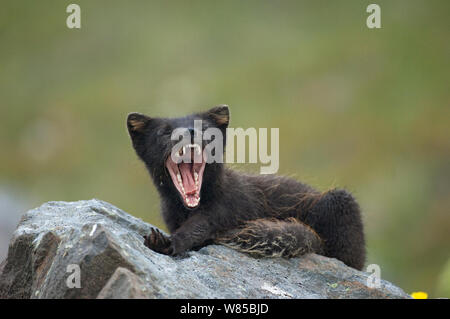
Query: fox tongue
[(188, 178)]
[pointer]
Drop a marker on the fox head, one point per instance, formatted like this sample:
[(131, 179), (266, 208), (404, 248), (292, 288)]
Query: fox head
[(175, 151)]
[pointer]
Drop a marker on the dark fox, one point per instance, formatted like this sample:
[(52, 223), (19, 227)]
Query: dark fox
[(262, 215)]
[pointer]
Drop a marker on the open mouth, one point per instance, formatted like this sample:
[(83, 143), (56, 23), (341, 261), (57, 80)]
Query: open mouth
[(188, 177)]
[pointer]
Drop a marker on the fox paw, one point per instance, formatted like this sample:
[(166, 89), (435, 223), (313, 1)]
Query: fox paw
[(158, 242)]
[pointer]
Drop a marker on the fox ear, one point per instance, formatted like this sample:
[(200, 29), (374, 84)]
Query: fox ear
[(220, 114), (137, 123)]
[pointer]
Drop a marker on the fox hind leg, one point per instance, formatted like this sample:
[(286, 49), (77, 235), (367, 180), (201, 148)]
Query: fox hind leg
[(336, 217)]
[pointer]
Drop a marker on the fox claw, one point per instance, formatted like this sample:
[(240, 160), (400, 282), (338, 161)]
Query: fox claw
[(158, 242)]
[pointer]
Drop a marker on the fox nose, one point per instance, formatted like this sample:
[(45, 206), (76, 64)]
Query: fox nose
[(192, 133)]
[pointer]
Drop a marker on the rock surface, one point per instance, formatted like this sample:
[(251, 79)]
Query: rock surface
[(58, 241)]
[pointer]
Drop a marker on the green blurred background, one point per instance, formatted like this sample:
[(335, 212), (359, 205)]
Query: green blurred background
[(357, 108)]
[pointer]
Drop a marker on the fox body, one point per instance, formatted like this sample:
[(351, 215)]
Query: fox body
[(262, 215)]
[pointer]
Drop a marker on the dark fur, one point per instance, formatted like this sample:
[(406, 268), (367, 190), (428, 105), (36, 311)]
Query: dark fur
[(264, 215)]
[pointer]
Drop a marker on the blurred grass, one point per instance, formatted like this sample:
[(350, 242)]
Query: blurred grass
[(357, 108)]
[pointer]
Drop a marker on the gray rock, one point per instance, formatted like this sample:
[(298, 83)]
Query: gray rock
[(104, 245), (124, 284)]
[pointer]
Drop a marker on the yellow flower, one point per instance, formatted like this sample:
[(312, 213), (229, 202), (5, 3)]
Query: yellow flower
[(419, 295)]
